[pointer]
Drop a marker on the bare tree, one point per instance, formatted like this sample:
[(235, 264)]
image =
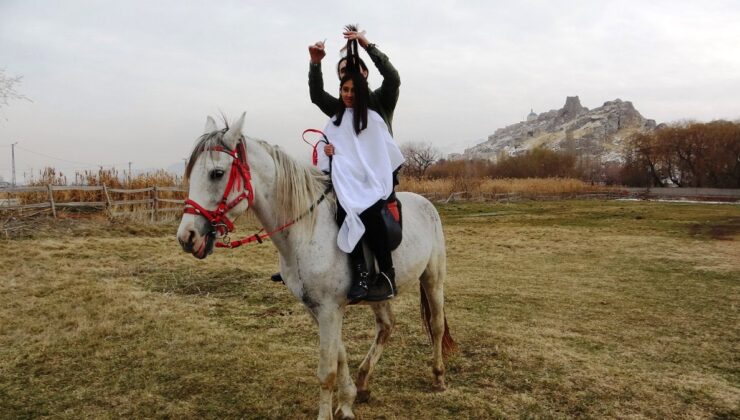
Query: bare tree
[(419, 157), (7, 88)]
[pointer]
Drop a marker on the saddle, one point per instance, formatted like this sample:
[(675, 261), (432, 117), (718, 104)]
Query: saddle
[(393, 221)]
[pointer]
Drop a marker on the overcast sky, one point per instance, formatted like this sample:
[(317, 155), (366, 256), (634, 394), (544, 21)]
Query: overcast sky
[(113, 82)]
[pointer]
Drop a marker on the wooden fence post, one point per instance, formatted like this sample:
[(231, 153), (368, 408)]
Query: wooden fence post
[(108, 204), (155, 205), (51, 201), (107, 197)]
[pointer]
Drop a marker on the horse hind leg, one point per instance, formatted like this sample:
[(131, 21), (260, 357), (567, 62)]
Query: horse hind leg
[(435, 322), (384, 322)]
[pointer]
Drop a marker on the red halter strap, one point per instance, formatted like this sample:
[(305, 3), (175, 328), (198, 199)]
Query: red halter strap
[(239, 173)]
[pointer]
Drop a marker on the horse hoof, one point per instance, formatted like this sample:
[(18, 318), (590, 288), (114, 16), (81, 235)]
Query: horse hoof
[(363, 396), (344, 413)]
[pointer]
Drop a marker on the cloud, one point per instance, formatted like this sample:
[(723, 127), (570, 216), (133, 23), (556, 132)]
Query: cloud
[(133, 81)]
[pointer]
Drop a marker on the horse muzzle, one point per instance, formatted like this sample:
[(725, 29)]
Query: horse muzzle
[(197, 244)]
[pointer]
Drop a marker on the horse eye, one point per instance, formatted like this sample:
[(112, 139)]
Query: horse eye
[(217, 173)]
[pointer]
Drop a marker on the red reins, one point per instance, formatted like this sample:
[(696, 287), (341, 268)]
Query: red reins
[(315, 153)]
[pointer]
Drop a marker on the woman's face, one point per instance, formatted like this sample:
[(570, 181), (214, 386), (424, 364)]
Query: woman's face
[(348, 93)]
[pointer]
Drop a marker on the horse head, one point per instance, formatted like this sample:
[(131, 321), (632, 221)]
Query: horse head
[(220, 187)]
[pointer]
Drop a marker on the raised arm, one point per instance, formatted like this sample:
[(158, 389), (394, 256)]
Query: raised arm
[(327, 103), (388, 90)]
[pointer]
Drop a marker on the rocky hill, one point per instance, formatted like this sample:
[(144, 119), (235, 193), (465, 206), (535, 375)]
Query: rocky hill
[(599, 132)]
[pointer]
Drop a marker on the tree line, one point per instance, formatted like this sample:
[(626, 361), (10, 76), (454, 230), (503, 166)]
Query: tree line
[(682, 154), (686, 155)]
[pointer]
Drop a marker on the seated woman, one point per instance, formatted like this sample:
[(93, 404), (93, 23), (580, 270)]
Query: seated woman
[(363, 158)]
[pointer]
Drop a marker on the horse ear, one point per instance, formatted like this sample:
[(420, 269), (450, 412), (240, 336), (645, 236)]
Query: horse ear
[(210, 125), (235, 132)]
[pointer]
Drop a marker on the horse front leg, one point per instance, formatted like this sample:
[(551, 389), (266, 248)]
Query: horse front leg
[(347, 389), (330, 326), (384, 322)]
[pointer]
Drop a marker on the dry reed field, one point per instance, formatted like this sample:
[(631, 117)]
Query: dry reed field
[(487, 186), (108, 177), (562, 309)]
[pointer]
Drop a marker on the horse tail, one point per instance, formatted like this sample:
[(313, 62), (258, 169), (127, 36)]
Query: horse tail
[(449, 346)]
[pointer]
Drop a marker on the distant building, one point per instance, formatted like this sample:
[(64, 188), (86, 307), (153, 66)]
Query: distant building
[(532, 116)]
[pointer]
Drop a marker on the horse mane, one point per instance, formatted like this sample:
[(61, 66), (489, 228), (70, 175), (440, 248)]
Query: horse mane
[(298, 186)]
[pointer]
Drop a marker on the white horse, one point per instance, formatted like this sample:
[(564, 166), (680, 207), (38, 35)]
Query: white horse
[(278, 189)]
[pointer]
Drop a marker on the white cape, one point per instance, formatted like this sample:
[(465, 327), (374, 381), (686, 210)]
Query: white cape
[(361, 170)]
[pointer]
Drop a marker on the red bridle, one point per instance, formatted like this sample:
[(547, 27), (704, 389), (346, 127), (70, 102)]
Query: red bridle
[(239, 174)]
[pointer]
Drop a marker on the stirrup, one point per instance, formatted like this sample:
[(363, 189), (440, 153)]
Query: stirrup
[(383, 287)]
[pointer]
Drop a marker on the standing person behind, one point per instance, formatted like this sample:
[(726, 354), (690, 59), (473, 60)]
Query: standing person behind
[(364, 157)]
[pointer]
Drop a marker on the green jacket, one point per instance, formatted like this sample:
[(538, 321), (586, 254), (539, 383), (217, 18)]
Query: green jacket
[(382, 100)]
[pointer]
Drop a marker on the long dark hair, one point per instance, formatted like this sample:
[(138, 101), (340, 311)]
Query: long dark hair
[(362, 92)]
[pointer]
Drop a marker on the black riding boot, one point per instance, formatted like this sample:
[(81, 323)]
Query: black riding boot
[(360, 275), (360, 279)]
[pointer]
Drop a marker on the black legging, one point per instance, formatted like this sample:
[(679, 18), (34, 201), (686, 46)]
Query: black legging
[(376, 235)]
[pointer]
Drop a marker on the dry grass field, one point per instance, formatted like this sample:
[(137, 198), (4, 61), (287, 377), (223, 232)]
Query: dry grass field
[(586, 309)]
